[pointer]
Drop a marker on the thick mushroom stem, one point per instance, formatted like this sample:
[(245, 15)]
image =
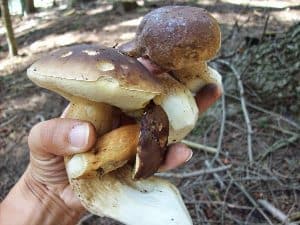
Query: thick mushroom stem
[(101, 115), (112, 150), (197, 75), (180, 106)]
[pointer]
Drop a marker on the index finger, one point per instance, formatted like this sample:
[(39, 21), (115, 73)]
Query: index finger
[(207, 96)]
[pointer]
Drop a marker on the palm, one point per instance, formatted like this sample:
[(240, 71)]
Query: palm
[(49, 170)]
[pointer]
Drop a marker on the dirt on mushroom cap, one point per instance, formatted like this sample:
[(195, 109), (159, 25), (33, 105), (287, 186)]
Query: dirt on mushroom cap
[(98, 74), (171, 33)]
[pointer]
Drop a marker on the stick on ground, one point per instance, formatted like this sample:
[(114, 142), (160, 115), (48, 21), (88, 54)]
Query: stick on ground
[(276, 213), (244, 107), (195, 173), (199, 146)]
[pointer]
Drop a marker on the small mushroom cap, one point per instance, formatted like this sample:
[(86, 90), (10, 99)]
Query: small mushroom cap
[(174, 36), (98, 74), (153, 142)]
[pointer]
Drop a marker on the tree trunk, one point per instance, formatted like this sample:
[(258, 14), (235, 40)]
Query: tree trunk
[(71, 4), (55, 4), (11, 41), (29, 6), (123, 7)]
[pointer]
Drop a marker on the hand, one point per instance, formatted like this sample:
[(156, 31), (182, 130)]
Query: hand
[(43, 194)]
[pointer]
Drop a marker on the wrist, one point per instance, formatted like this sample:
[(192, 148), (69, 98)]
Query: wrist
[(30, 202)]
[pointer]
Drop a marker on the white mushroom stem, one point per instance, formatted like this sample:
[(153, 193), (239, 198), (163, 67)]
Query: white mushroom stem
[(101, 115), (182, 112), (180, 106), (116, 195), (197, 75)]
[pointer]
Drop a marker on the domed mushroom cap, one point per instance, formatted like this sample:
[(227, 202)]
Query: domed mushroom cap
[(174, 36), (97, 74)]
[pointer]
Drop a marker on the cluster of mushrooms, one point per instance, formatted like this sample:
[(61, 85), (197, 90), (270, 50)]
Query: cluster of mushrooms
[(115, 179)]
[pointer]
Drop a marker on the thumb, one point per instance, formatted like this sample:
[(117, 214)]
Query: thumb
[(61, 137)]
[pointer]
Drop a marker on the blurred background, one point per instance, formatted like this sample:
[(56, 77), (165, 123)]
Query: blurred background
[(246, 163)]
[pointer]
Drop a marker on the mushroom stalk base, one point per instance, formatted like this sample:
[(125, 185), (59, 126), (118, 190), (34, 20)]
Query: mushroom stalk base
[(112, 150), (149, 202), (196, 76)]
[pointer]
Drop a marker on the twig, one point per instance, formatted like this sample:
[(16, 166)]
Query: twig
[(280, 129), (276, 213), (248, 196), (12, 119), (84, 218), (244, 108), (265, 28), (294, 124), (216, 176), (253, 202), (199, 146), (222, 128), (195, 173), (221, 203), (278, 145)]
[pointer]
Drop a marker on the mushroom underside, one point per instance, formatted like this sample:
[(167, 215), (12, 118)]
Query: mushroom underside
[(149, 202)]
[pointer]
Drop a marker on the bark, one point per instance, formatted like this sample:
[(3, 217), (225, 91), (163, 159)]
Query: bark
[(29, 6), (11, 41), (122, 7)]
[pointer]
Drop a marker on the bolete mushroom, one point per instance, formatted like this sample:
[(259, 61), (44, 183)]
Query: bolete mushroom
[(180, 39), (99, 81)]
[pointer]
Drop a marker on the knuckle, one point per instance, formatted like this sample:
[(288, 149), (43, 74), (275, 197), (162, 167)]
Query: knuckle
[(46, 135)]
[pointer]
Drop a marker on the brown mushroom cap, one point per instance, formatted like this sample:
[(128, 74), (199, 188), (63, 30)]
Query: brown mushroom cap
[(174, 36), (97, 74), (152, 143)]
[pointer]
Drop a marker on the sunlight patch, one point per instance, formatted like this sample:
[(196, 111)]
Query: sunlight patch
[(90, 52), (105, 66), (67, 54)]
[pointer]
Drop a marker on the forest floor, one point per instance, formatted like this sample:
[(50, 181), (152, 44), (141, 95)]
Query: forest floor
[(259, 61)]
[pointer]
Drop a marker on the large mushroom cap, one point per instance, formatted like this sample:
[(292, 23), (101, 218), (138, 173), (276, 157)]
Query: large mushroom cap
[(98, 74), (174, 36)]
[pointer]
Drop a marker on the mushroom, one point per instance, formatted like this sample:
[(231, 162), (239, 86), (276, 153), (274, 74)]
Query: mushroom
[(96, 78), (99, 82), (180, 39)]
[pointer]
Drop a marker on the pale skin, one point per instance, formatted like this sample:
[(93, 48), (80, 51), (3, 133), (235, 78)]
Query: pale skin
[(43, 195)]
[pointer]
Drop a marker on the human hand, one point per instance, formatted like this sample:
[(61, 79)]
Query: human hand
[(43, 194)]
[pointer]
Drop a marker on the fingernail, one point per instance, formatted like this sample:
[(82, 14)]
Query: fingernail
[(190, 156), (78, 136)]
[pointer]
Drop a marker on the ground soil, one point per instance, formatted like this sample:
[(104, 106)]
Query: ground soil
[(247, 30)]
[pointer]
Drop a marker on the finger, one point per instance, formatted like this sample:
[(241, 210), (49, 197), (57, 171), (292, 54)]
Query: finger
[(61, 137), (177, 155), (207, 96), (151, 66)]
